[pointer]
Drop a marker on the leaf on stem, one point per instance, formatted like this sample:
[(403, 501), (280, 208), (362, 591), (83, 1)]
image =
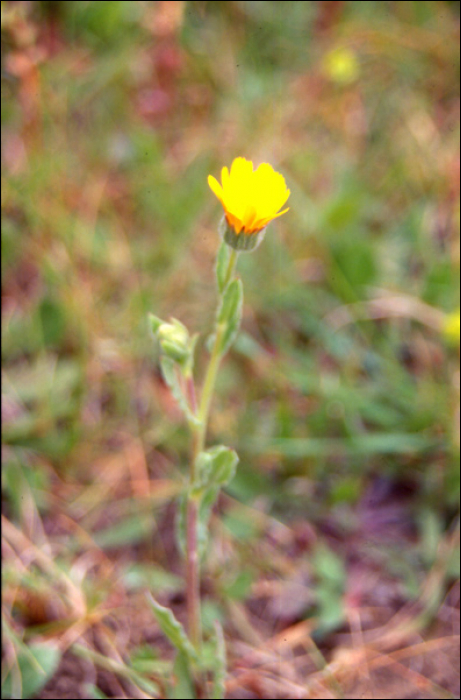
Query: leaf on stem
[(204, 511), (219, 664), (230, 314), (222, 266), (172, 629), (34, 666), (183, 688), (172, 378), (214, 467)]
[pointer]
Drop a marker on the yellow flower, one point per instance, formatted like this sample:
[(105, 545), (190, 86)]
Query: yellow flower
[(451, 327), (250, 198), (341, 65)]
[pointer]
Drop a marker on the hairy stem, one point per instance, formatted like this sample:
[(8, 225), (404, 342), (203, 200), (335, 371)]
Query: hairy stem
[(193, 576), (199, 436)]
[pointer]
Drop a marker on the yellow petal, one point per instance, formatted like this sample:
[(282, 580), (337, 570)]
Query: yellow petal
[(215, 187), (225, 177)]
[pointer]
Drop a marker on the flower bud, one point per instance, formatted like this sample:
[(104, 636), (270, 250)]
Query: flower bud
[(174, 339)]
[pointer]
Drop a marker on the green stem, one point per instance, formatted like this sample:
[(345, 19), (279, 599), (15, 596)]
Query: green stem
[(193, 576), (199, 436)]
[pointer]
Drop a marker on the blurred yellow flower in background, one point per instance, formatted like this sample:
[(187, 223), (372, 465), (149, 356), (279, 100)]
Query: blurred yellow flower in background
[(452, 327), (250, 198), (341, 65)]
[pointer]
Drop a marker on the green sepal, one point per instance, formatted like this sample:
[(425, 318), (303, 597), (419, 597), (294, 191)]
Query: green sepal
[(230, 314), (175, 341), (173, 630), (154, 323), (175, 352), (173, 379), (243, 242)]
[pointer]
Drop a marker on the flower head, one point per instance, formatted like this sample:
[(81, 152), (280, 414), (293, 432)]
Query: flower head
[(250, 198), (174, 339)]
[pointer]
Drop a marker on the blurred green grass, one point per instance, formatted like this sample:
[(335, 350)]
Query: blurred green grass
[(113, 116)]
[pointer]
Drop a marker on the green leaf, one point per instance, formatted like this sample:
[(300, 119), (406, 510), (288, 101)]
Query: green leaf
[(36, 664), (212, 612), (432, 534), (329, 567), (215, 467), (181, 520), (220, 663), (330, 610), (119, 668), (183, 688), (230, 314), (151, 576), (453, 563), (240, 587), (146, 660), (222, 266), (204, 512), (330, 577), (172, 378), (172, 629), (53, 319), (132, 529), (242, 526), (366, 444), (94, 692)]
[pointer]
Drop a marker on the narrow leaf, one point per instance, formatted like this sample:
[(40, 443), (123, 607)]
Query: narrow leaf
[(222, 264), (94, 692), (183, 688), (170, 374), (36, 664), (204, 512), (230, 313), (181, 520), (172, 629), (215, 468), (220, 663)]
